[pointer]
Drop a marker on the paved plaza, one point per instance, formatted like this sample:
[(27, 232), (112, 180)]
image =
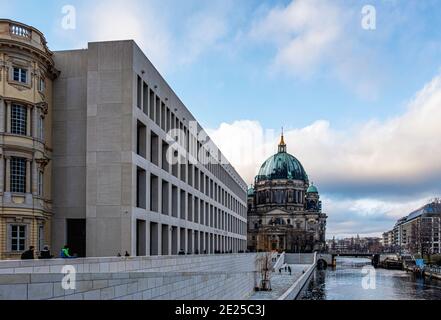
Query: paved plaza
[(281, 282)]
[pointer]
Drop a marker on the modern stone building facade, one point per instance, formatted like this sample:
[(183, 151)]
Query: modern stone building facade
[(107, 145), (116, 188), (284, 209), (26, 78)]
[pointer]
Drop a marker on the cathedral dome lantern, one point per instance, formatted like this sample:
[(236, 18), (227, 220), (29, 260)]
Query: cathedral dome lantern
[(282, 166), (312, 189), (250, 191)]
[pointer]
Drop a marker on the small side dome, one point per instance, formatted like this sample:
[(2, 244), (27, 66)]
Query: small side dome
[(250, 192), (312, 189)]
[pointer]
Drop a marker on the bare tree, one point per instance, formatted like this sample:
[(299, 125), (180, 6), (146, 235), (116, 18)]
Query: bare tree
[(264, 266)]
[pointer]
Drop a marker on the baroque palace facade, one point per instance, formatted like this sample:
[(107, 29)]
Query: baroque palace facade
[(284, 209), (26, 75)]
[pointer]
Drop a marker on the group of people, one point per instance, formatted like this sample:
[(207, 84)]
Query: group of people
[(287, 268), (46, 253)]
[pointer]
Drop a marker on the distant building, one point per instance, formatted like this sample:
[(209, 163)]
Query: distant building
[(419, 232), (284, 209), (356, 245), (388, 241)]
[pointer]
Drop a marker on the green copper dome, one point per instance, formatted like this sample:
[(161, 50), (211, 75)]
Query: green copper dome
[(250, 191), (282, 166), (312, 189)]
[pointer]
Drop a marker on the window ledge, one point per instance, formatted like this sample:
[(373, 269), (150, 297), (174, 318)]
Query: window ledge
[(21, 84)]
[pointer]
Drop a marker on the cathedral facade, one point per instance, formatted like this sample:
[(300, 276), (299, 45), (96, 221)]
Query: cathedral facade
[(284, 209)]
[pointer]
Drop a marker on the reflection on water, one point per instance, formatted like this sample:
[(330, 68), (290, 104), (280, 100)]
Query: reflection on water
[(345, 282)]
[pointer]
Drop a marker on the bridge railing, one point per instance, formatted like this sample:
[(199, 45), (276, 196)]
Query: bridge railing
[(280, 262)]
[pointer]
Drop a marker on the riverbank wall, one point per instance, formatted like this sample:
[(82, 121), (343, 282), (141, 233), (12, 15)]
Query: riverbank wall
[(203, 277), (297, 286)]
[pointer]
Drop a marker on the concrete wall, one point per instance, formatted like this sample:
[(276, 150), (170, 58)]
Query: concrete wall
[(110, 186), (179, 277), (70, 138), (302, 258)]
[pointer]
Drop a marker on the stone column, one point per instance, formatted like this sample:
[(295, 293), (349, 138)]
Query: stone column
[(170, 240), (186, 245), (2, 115), (28, 176), (2, 173), (35, 115), (8, 117), (147, 238), (34, 187), (178, 239), (28, 121), (8, 174), (160, 239)]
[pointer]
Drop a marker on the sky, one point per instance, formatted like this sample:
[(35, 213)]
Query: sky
[(357, 92)]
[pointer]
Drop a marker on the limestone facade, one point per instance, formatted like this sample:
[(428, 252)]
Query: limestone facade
[(26, 79)]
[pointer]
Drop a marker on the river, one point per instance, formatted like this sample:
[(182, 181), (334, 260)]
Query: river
[(348, 282)]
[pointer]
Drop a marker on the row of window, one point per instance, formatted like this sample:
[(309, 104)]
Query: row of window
[(18, 236), (160, 113), (20, 75), (280, 197), (189, 173), (182, 239), (18, 174), (191, 208), (19, 121)]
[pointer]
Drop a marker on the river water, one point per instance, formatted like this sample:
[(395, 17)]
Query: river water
[(348, 282)]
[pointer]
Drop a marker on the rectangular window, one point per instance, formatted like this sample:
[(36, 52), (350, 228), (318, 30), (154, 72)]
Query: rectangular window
[(18, 237), (20, 75), (40, 183), (141, 137), (18, 175), (41, 84), (18, 119), (141, 192), (139, 93)]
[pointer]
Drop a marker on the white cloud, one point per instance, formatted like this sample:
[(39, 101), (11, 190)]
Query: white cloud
[(403, 149), (320, 37), (304, 31), (169, 39), (365, 216), (118, 20), (202, 31)]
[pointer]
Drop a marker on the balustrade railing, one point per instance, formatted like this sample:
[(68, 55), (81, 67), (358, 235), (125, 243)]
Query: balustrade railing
[(20, 31)]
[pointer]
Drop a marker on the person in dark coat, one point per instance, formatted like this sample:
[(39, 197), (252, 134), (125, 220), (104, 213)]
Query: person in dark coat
[(28, 254), (45, 253)]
